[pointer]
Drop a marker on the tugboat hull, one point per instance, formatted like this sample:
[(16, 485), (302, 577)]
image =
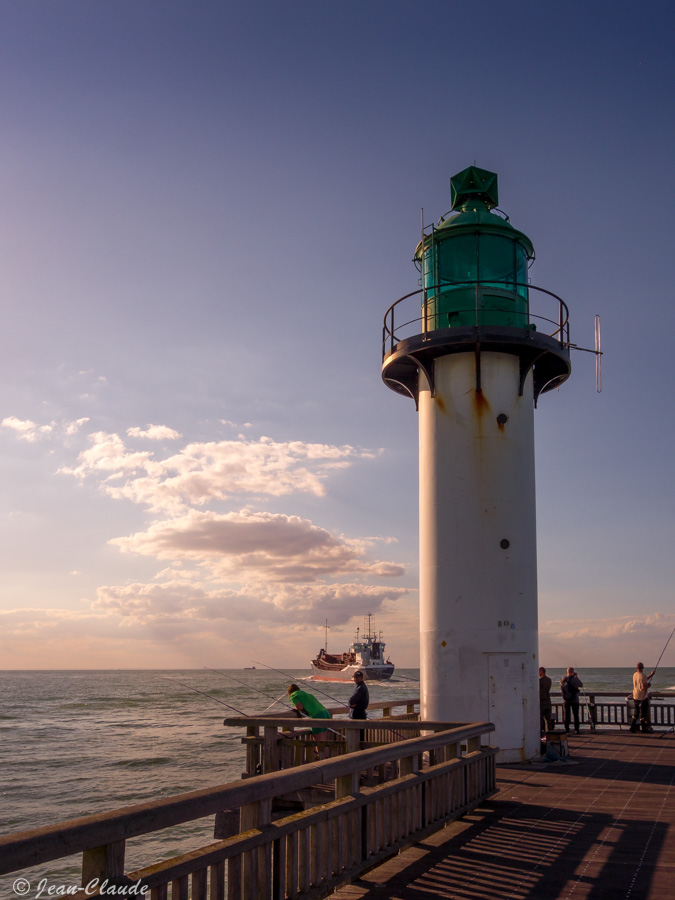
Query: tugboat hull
[(370, 673), (366, 654)]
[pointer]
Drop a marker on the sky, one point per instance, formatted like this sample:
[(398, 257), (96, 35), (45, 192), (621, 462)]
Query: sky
[(205, 210)]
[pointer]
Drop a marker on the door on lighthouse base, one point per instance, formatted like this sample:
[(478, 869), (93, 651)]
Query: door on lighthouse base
[(506, 707)]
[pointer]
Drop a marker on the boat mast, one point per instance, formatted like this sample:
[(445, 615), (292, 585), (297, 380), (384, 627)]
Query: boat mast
[(325, 639)]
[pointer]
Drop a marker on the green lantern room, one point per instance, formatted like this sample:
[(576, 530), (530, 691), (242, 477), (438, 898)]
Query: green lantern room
[(474, 264)]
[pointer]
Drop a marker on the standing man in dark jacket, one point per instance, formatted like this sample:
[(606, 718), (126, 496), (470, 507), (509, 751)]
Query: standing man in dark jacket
[(359, 700), (570, 685), (545, 706)]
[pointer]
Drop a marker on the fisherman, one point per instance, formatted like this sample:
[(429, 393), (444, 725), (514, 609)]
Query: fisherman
[(545, 707), (359, 700), (306, 703), (641, 685), (570, 685)]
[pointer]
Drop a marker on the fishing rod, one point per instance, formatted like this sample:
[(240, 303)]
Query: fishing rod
[(204, 694), (264, 694), (280, 697), (662, 652), (243, 684), (341, 702), (302, 713), (314, 687)]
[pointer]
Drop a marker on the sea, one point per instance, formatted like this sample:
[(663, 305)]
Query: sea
[(74, 743)]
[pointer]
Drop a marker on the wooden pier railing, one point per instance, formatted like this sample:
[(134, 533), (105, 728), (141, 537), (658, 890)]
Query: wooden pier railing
[(609, 709), (277, 742), (435, 777)]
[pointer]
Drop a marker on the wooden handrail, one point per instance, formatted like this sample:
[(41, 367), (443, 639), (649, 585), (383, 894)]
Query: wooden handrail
[(345, 724), (29, 848), (344, 709)]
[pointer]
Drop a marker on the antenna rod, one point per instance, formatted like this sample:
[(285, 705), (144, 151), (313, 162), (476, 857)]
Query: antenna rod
[(598, 357), (424, 289)]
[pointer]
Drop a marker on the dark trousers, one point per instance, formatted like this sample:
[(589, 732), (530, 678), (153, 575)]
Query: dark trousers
[(359, 714), (640, 714), (572, 709), (545, 717)]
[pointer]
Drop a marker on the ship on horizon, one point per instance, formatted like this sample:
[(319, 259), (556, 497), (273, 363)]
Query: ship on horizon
[(365, 654)]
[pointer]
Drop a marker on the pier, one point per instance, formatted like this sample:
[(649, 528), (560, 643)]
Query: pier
[(396, 808), (604, 827), (393, 781)]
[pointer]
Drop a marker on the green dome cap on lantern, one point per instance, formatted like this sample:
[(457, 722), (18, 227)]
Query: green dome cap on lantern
[(474, 183)]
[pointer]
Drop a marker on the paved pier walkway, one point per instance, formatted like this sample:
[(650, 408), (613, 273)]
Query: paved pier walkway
[(600, 829)]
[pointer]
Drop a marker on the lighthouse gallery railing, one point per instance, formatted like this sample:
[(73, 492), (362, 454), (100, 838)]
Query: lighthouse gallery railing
[(407, 317)]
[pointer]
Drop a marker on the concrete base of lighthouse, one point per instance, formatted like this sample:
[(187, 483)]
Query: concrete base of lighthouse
[(478, 573)]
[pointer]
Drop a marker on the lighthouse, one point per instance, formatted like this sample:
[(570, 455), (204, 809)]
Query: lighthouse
[(475, 347)]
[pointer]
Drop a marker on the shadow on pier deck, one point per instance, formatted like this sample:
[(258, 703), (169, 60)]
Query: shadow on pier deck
[(598, 829)]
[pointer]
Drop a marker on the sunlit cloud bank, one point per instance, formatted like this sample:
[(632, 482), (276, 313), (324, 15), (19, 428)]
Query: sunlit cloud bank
[(176, 601), (226, 576), (149, 624), (256, 545), (600, 642), (203, 472)]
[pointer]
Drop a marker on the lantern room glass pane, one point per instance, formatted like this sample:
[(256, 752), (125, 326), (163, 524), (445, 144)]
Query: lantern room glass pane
[(497, 263), (458, 260)]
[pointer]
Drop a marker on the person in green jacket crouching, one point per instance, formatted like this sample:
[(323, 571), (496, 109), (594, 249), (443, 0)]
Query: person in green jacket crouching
[(307, 705)]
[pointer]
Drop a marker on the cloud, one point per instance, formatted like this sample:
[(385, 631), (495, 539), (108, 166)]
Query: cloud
[(38, 623), (647, 626), (155, 433), (274, 609), (26, 430), (203, 472), (235, 424), (152, 612), (74, 426), (247, 545), (600, 642), (108, 454)]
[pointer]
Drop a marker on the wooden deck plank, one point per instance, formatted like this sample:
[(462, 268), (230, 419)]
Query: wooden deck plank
[(598, 828)]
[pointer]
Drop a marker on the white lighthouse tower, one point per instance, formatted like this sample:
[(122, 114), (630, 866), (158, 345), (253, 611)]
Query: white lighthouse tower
[(475, 357)]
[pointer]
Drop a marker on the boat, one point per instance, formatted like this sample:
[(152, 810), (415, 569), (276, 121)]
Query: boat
[(365, 654)]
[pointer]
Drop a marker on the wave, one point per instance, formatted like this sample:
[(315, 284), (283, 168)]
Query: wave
[(147, 762)]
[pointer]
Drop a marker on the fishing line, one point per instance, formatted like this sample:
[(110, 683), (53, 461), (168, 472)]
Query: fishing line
[(196, 691)]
